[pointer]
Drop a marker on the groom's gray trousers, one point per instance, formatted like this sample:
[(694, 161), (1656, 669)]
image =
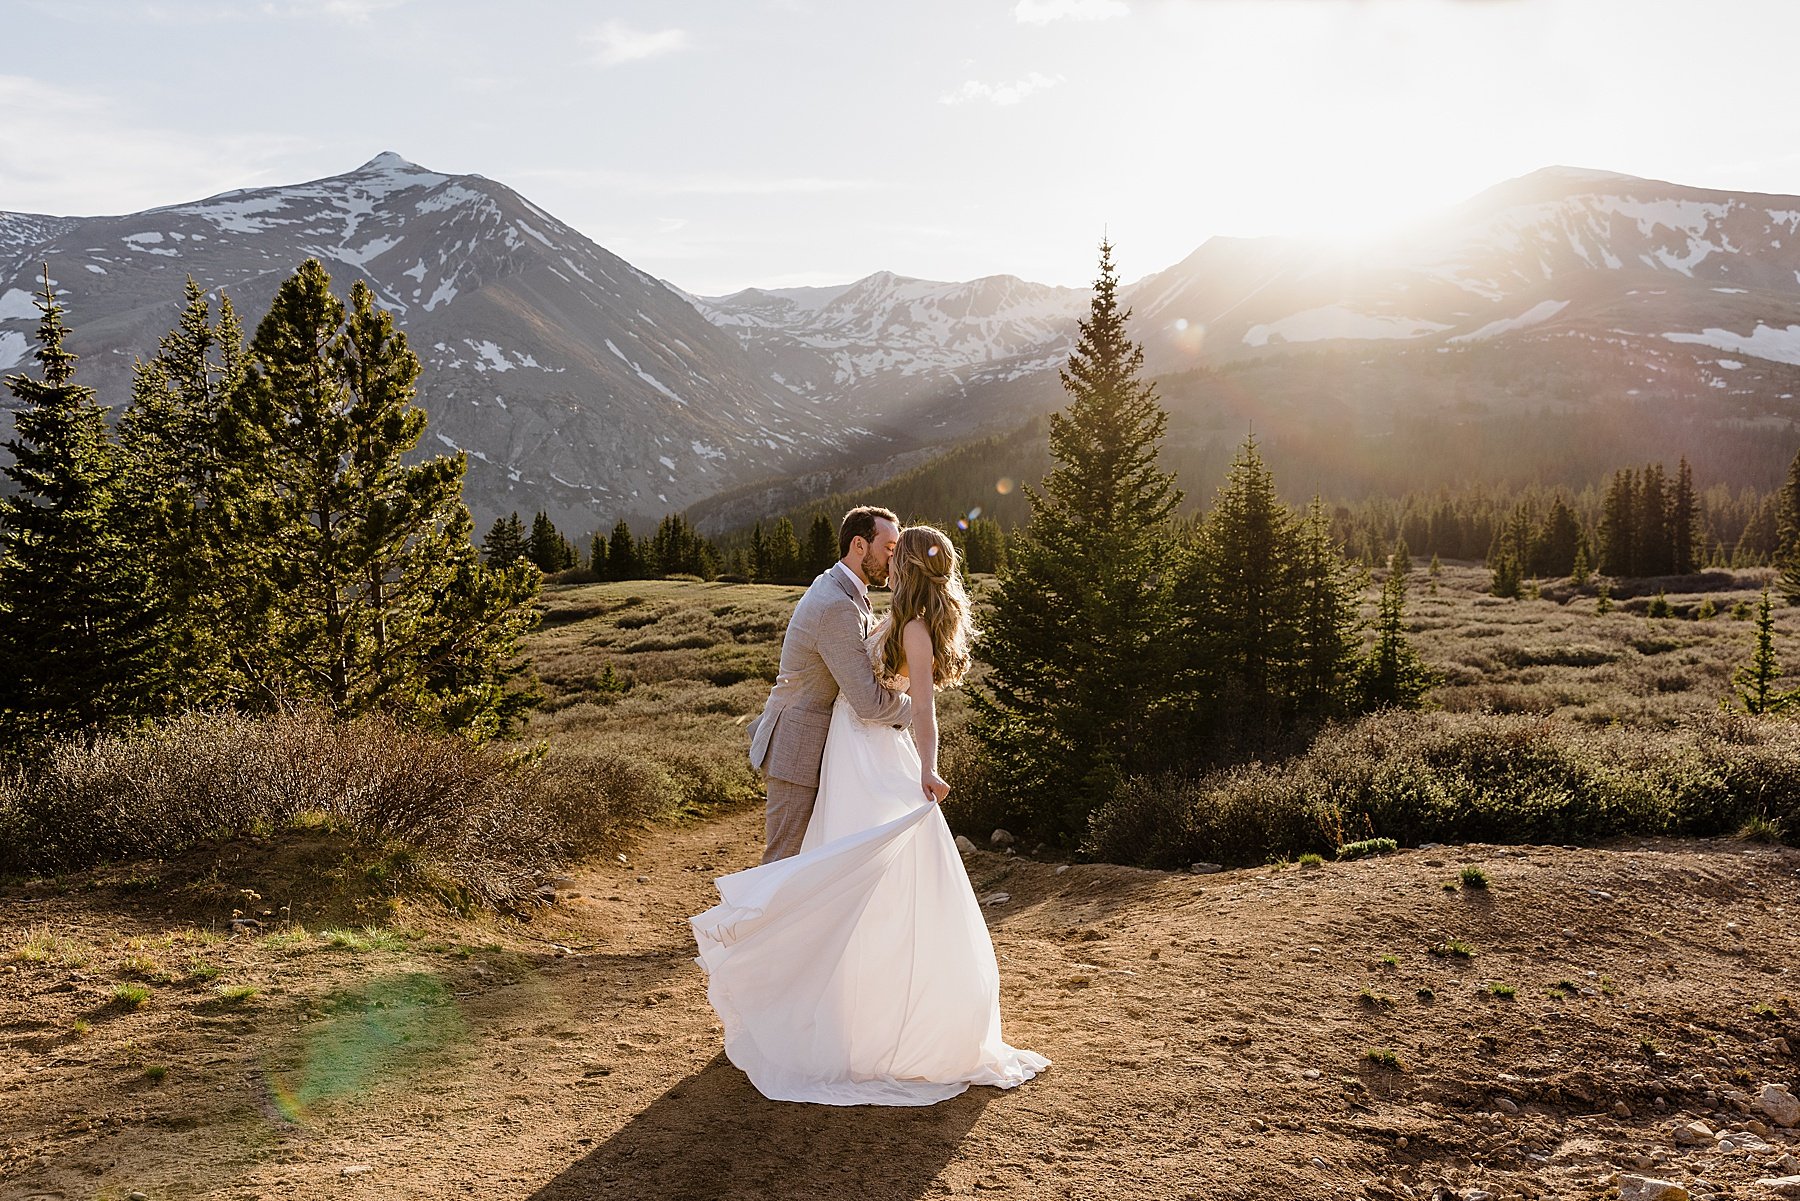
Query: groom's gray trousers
[(784, 821)]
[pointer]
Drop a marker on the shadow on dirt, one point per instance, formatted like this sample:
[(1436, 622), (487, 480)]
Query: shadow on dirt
[(713, 1136)]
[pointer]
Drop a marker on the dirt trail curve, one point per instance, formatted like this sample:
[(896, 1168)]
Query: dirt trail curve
[(1211, 1036)]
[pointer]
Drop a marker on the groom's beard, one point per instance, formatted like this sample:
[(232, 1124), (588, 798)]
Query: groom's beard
[(874, 570)]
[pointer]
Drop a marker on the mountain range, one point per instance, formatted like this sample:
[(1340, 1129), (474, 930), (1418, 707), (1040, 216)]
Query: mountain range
[(580, 385)]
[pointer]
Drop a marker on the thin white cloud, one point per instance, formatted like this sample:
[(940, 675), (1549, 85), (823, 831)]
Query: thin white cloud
[(212, 12), (656, 184), (615, 42), (102, 160), (1042, 12), (1001, 93)]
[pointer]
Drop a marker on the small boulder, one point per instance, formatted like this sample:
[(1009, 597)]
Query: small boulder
[(965, 844), (1001, 838), (996, 898), (1648, 1188), (1779, 1105), (1506, 1105), (1692, 1134), (1781, 1186), (1205, 869)]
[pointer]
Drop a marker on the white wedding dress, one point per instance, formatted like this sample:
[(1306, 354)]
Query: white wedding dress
[(860, 971)]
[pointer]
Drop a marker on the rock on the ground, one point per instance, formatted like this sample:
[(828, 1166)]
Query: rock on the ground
[(1780, 1106), (1205, 869), (1692, 1134), (1781, 1186), (996, 898), (1001, 838), (1506, 1105), (1649, 1188), (965, 844)]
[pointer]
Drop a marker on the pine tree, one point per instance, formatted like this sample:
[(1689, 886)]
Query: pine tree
[(597, 551), (1558, 541), (1580, 572), (1327, 624), (1400, 558), (1237, 597), (784, 553), (1652, 549), (1684, 520), (821, 546), (1618, 527), (984, 546), (1756, 681), (364, 558), (1393, 676), (505, 543), (759, 555), (1077, 685), (75, 651), (622, 562), (547, 548), (170, 466)]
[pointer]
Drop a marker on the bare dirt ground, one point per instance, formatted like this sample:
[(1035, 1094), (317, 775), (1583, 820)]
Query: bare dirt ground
[(1211, 1036)]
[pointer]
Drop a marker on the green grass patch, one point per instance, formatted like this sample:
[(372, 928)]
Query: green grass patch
[(1311, 859), (1454, 949), (1474, 877), (1382, 1057), (1505, 992), (1367, 847), (131, 996)]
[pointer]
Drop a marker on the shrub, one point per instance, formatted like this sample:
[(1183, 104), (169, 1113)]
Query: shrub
[(1462, 777), (479, 820), (1367, 847)]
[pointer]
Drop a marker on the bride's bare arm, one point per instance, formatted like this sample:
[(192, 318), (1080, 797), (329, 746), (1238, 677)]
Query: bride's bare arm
[(915, 641)]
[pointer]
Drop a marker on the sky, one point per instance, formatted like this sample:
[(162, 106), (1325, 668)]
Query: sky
[(721, 144)]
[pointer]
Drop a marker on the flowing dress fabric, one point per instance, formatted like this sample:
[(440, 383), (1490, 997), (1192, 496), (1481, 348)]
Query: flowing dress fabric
[(860, 971)]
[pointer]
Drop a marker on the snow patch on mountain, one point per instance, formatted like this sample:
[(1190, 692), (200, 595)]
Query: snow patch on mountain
[(16, 305), (12, 349), (1763, 342), (1537, 313)]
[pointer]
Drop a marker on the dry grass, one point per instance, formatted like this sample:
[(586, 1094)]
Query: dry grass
[(1560, 657)]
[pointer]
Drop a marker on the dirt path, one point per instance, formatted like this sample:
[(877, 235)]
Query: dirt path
[(1210, 1036)]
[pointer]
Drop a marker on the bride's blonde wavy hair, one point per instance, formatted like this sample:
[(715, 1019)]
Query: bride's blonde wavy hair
[(926, 573)]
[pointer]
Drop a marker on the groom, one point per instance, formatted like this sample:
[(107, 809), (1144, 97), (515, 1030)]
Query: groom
[(822, 655)]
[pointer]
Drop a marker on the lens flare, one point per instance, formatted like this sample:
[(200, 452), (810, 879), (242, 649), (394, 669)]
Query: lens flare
[(1003, 485)]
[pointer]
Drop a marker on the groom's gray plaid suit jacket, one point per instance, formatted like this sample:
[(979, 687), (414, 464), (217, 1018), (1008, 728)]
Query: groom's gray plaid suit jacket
[(821, 655)]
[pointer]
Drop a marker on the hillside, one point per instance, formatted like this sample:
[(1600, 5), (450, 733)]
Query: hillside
[(575, 382)]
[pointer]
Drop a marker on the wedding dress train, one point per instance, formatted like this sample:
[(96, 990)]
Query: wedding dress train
[(860, 971)]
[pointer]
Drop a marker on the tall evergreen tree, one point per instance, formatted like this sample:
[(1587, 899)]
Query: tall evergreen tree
[(1327, 624), (1393, 676), (1618, 526), (506, 543), (1652, 550), (170, 467), (984, 546), (821, 546), (622, 562), (759, 555), (1684, 521), (1558, 539), (546, 547), (1757, 680), (1237, 598), (785, 565), (74, 645), (1074, 697), (365, 557), (598, 547)]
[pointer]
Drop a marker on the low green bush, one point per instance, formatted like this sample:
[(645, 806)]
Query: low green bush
[(1462, 777)]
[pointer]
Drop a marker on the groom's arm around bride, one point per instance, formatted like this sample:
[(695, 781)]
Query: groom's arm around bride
[(822, 654)]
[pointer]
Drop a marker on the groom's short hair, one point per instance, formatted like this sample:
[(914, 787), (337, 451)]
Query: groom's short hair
[(860, 523)]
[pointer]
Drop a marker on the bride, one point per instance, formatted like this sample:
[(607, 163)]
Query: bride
[(859, 971)]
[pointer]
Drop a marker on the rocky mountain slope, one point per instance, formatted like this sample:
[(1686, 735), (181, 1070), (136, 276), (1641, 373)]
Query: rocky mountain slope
[(580, 385), (575, 382)]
